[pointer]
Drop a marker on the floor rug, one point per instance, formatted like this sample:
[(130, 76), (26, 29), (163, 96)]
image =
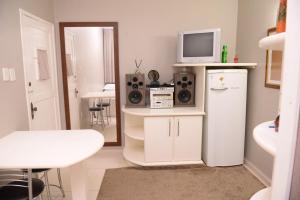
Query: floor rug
[(179, 183)]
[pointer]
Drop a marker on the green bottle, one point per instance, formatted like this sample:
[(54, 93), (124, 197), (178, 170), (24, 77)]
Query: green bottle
[(224, 54)]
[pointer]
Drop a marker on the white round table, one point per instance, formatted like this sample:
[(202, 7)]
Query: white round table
[(52, 149)]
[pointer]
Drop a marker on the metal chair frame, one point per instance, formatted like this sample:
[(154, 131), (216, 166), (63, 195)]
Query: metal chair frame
[(18, 176), (47, 183), (96, 114)]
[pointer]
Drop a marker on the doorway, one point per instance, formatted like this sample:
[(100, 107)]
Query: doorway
[(90, 65), (40, 72)]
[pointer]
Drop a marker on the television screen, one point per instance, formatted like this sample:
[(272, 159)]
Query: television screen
[(198, 44)]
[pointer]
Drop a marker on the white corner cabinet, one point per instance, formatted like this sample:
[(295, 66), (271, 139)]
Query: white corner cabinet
[(170, 137), (155, 137)]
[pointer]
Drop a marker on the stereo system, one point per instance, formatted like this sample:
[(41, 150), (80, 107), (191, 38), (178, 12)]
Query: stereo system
[(135, 90), (161, 97), (184, 89)]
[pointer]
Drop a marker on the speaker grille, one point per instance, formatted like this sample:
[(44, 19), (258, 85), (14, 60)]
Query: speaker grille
[(135, 90), (184, 89), (135, 97), (184, 96)]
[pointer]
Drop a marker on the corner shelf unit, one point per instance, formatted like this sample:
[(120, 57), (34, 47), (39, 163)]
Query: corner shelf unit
[(264, 134), (262, 194), (273, 42), (136, 133), (266, 137)]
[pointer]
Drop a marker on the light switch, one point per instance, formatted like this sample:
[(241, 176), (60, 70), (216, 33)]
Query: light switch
[(5, 74), (12, 74)]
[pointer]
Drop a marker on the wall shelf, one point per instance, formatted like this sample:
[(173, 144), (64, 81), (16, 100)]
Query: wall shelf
[(273, 42), (266, 137), (136, 133), (264, 194), (217, 65), (134, 154)]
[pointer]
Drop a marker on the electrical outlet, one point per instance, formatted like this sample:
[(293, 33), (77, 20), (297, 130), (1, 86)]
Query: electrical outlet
[(5, 74)]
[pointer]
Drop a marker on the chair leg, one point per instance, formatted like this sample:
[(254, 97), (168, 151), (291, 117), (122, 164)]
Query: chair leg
[(97, 117), (109, 110), (92, 119), (102, 119), (107, 117), (60, 183), (29, 174), (47, 185)]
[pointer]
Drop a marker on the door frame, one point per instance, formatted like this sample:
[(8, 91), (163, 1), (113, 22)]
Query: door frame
[(62, 26), (24, 14)]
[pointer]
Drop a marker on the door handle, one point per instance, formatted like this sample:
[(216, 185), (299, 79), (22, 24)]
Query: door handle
[(178, 127), (32, 109), (219, 89)]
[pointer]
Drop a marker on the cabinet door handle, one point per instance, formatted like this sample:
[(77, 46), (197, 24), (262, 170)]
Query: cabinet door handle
[(178, 127), (169, 128)]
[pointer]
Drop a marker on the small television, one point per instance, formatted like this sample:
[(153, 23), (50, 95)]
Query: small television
[(199, 46)]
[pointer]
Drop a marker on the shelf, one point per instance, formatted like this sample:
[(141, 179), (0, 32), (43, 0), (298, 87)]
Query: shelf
[(148, 112), (273, 42), (264, 194), (134, 154), (136, 133), (266, 137), (217, 65)]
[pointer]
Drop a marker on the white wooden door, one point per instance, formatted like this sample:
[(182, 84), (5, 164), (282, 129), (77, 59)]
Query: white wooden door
[(187, 138), (158, 139), (74, 97), (40, 82)]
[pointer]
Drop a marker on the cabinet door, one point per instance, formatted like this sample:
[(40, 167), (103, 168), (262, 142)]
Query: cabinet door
[(158, 139), (187, 138)]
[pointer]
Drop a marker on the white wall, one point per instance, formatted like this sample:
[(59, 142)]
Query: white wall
[(148, 29), (12, 100), (254, 18)]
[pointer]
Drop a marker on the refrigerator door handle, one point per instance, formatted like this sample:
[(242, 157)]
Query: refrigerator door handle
[(219, 89)]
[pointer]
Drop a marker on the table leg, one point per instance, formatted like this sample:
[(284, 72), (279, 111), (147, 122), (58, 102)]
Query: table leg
[(78, 182)]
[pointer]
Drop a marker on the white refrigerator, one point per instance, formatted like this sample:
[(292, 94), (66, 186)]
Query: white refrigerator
[(224, 123)]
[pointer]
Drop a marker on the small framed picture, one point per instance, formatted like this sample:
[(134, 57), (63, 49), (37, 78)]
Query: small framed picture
[(273, 66)]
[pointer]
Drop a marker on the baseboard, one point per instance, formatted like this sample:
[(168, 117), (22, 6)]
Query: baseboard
[(257, 173)]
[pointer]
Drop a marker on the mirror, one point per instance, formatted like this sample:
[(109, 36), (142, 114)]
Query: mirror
[(90, 64)]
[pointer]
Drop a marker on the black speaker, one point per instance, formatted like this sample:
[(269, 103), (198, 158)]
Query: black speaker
[(135, 90), (184, 89)]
